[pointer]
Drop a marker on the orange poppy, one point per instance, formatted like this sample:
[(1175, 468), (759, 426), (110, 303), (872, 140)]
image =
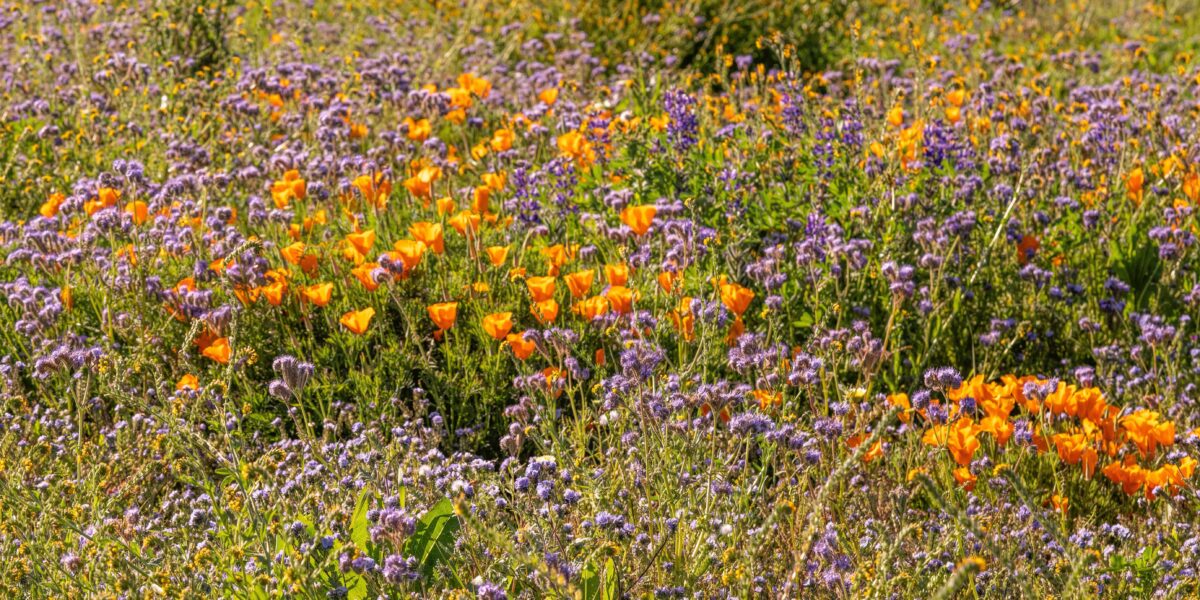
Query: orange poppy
[(188, 381), (576, 146), (429, 234), (465, 221), (421, 184), (418, 130), (639, 218), (621, 298), (617, 274), (375, 190), (275, 291), (293, 253), (498, 325), (139, 211), (592, 307), (502, 140), (965, 478), (1027, 249), (409, 252), (50, 207), (495, 181), (362, 241), (291, 187), (872, 453), (736, 297), (319, 294), (480, 199), (217, 350), (521, 347), (443, 314), (580, 282), (546, 311), (669, 280), (357, 320), (541, 288), (962, 441), (1134, 183), (497, 254), (105, 198), (364, 273)]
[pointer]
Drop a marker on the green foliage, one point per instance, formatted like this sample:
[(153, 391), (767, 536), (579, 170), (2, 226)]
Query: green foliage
[(194, 33)]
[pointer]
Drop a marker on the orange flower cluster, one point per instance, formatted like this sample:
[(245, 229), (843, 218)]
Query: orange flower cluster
[(1079, 425)]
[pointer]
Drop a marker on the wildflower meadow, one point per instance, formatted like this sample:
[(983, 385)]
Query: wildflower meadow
[(599, 300)]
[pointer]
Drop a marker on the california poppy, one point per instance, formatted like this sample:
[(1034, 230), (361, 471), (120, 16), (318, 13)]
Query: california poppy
[(420, 185), (319, 294), (669, 280), (409, 252), (577, 147), (429, 234), (962, 441), (639, 218), (293, 252), (274, 292), (480, 199), (502, 140), (546, 311), (365, 274), (541, 288), (357, 320), (736, 298), (50, 207), (580, 282), (139, 211), (375, 190), (521, 347), (497, 254), (465, 221), (217, 350), (592, 307), (443, 314), (362, 241), (105, 198), (1134, 183), (1027, 248), (418, 130), (291, 187), (617, 274), (498, 325), (621, 299), (964, 478), (188, 381)]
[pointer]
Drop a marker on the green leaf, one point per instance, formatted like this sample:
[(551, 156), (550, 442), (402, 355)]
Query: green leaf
[(434, 539), (610, 580), (359, 531), (358, 591), (589, 582), (597, 585)]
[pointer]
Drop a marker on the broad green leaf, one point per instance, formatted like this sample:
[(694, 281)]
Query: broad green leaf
[(434, 539), (589, 582), (359, 531), (610, 580)]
